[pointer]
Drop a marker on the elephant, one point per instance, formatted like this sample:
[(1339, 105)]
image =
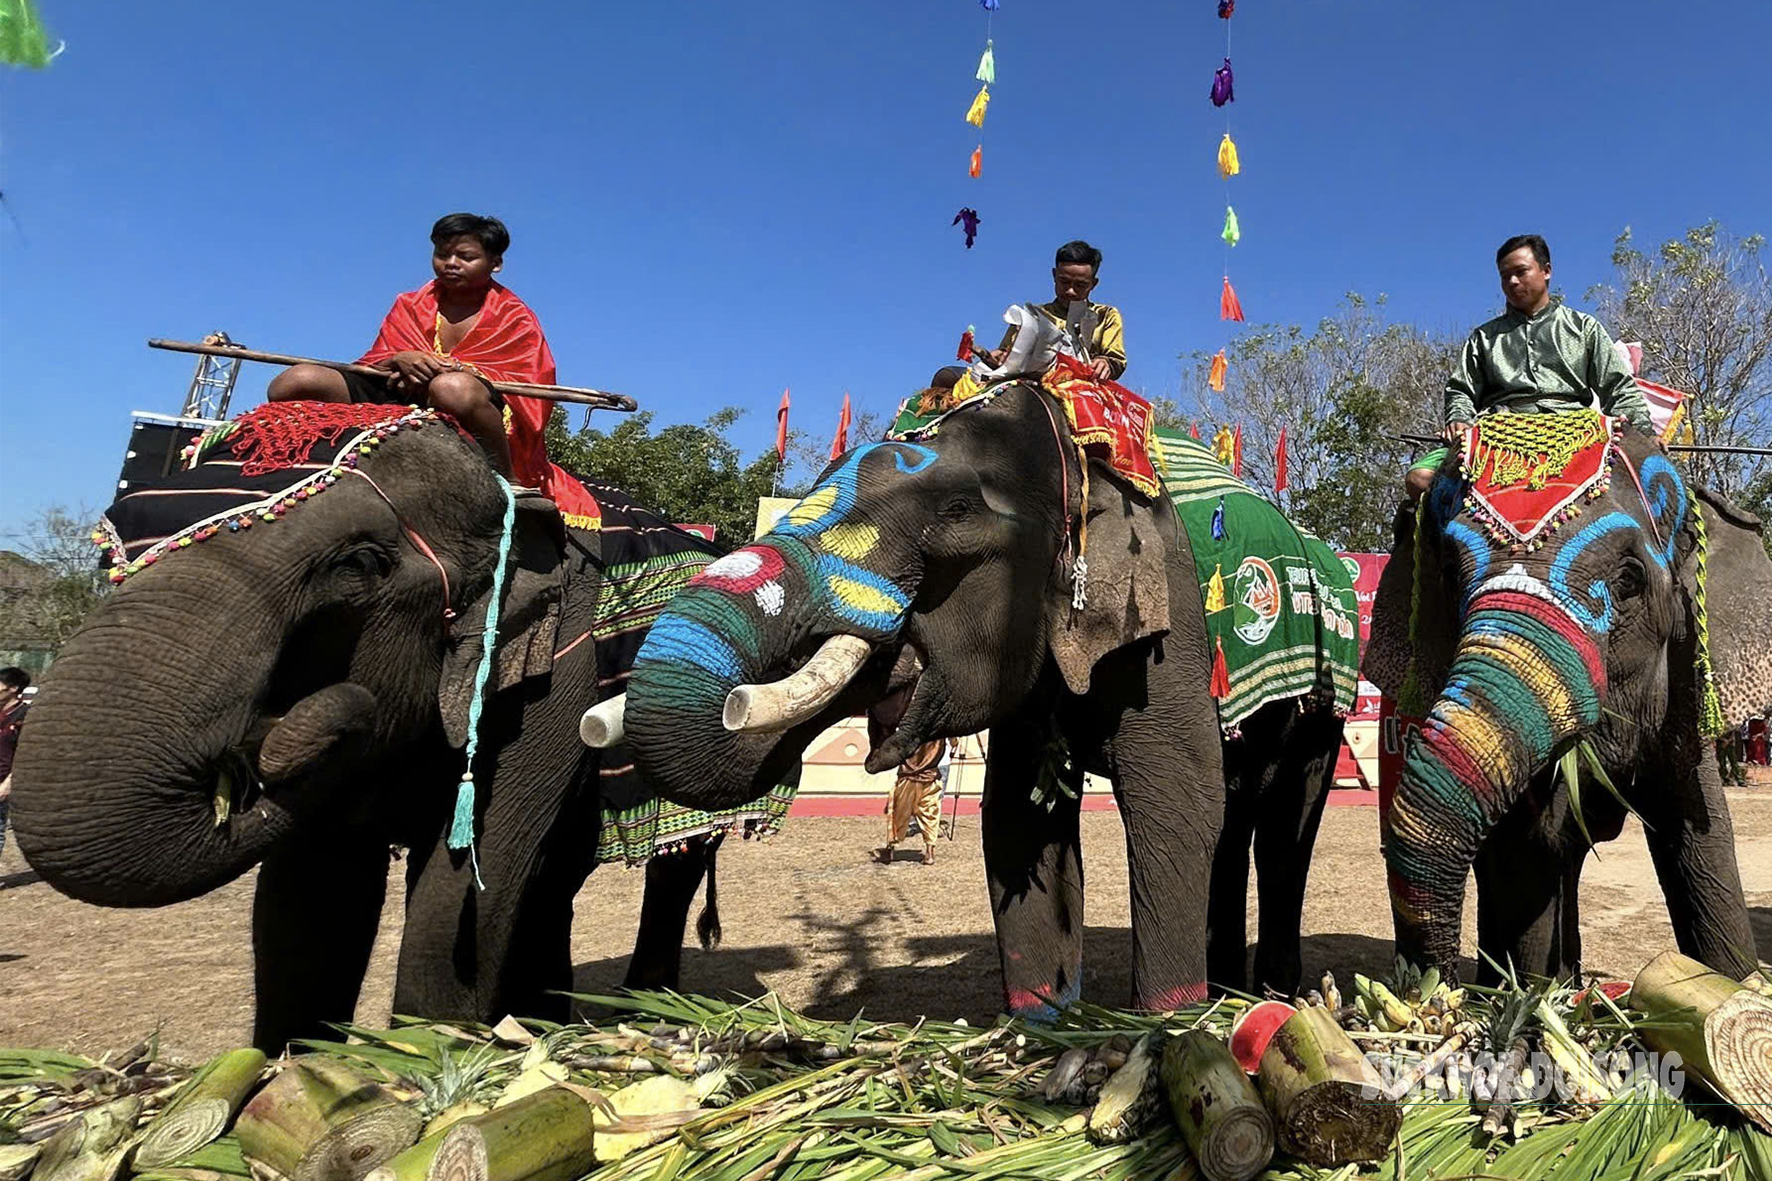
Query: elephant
[(951, 564), (309, 669), (1593, 629)]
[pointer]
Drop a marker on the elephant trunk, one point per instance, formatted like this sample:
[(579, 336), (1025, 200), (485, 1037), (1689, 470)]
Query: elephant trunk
[(138, 737), (1525, 680)]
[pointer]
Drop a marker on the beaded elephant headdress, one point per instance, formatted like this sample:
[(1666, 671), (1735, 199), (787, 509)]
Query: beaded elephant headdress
[(1530, 473), (246, 473)]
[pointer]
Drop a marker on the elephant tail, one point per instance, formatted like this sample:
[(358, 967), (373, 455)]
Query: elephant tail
[(707, 925)]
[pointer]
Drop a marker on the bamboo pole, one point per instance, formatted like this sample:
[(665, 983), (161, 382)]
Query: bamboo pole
[(1329, 1104), (546, 1136), (1721, 1030), (597, 399), (321, 1121), (1222, 1119), (201, 1111)]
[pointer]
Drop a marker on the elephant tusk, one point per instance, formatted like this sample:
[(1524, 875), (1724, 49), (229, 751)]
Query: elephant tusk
[(779, 705), (601, 727)]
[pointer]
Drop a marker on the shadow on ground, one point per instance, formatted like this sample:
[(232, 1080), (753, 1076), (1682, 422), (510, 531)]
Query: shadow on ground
[(954, 976)]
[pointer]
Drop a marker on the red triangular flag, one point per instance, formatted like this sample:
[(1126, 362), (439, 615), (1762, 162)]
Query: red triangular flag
[(1193, 428), (1237, 452), (840, 444), (1221, 676), (781, 429), (1280, 463), (1228, 307)]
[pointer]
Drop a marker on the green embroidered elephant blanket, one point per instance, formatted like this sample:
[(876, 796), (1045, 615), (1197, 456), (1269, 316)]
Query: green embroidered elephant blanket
[(1280, 604)]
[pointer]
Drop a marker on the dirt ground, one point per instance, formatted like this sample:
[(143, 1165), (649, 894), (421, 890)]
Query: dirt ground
[(807, 914)]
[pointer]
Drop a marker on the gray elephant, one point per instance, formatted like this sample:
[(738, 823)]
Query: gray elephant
[(951, 563), (1564, 589), (288, 678)]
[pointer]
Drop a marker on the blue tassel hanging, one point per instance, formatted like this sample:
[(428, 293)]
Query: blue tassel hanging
[(1218, 521)]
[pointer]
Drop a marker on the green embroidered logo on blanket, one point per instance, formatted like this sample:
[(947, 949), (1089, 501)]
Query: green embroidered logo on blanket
[(1278, 601)]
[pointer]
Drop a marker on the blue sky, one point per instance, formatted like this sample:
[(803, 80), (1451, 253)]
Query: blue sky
[(710, 201)]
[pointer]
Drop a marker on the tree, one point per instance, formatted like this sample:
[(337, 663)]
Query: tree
[(691, 474), (1346, 395), (52, 583), (1702, 307)]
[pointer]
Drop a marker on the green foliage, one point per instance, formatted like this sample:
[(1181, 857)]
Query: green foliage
[(692, 474), (50, 585), (1345, 393)]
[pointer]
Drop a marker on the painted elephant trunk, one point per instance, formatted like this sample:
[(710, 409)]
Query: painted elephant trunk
[(1526, 679), (115, 797)]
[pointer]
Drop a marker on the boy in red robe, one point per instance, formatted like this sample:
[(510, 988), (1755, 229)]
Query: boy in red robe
[(441, 344)]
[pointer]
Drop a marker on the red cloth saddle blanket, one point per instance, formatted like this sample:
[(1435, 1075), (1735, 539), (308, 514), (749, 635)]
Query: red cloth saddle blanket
[(1529, 473), (1108, 421)]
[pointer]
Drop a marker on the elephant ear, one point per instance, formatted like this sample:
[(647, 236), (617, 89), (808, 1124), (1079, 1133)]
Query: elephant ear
[(528, 619), (1738, 601), (1389, 648), (1128, 580)]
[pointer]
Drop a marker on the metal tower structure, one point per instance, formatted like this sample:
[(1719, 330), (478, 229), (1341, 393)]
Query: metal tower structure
[(213, 383)]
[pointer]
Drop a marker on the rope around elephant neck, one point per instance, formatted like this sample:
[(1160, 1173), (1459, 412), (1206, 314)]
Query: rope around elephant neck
[(461, 828), (1710, 709)]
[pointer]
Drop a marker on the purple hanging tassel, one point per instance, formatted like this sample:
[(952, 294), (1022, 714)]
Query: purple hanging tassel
[(1223, 85), (988, 5), (1225, 8), (967, 219)]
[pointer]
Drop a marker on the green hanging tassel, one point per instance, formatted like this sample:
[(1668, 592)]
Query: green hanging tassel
[(1710, 709), (461, 827), (987, 66), (23, 39), (1232, 231)]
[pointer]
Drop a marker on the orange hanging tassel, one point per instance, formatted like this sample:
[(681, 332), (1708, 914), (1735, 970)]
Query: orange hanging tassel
[(1215, 379), (1228, 307), (978, 167), (1221, 674)]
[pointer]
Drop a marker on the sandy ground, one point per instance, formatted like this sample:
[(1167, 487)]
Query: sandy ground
[(806, 913)]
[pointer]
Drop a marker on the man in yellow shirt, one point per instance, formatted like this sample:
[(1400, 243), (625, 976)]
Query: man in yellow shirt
[(1075, 272)]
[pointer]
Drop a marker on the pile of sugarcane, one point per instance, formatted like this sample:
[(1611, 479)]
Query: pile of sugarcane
[(670, 1087)]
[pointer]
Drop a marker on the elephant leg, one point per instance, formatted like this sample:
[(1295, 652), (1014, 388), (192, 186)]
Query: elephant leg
[(671, 883), (1034, 864), (1692, 844), (1528, 890), (314, 918), (1301, 770), (1227, 915)]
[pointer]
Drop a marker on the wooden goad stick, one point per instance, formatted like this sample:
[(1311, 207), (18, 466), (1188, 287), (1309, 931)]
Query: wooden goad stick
[(597, 399)]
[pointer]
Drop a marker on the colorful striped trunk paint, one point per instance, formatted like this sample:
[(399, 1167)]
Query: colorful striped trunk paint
[(1526, 677)]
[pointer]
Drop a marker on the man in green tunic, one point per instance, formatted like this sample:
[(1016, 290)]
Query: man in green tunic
[(1538, 357)]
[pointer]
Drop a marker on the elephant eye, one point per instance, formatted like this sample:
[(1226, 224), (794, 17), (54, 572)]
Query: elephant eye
[(1630, 580), (361, 562), (957, 508)]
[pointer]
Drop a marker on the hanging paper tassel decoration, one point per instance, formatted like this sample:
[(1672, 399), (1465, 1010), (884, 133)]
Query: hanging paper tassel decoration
[(1237, 452), (1193, 428), (1223, 85), (964, 352), (1280, 463), (1221, 674), (1215, 600), (988, 5), (1228, 307), (1215, 378), (23, 39), (987, 65), (1221, 445), (975, 114), (977, 167), (1228, 164), (967, 220), (1233, 232), (1218, 521), (1225, 8)]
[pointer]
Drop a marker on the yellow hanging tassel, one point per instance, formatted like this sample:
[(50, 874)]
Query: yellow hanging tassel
[(1215, 600), (975, 115), (1228, 164), (1215, 378)]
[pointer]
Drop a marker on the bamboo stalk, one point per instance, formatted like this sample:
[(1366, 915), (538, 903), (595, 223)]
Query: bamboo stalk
[(1721, 1030), (1222, 1119), (547, 1136), (1329, 1104), (321, 1121), (91, 1146), (598, 399), (202, 1109)]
